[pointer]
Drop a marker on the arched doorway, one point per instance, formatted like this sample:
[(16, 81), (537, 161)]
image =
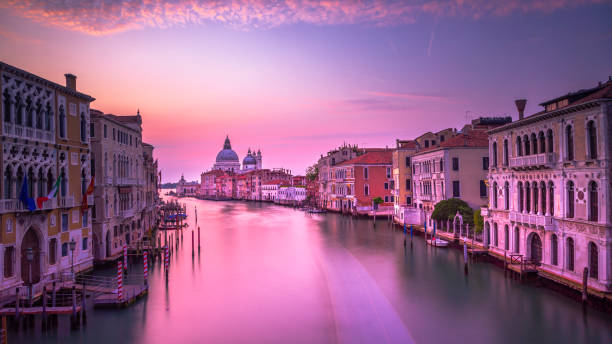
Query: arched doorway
[(516, 240), (30, 269), (535, 248), (107, 245), (487, 235)]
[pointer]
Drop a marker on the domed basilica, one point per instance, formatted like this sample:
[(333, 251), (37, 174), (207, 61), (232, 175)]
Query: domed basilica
[(227, 159)]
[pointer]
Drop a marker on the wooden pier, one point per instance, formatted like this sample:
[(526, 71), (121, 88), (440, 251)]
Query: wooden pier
[(131, 294)]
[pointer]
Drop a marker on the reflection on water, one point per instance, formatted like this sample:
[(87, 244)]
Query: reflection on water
[(268, 274)]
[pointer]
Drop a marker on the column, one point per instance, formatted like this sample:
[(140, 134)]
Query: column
[(525, 203), (551, 200)]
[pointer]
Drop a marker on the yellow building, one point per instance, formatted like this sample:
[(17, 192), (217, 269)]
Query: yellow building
[(44, 136)]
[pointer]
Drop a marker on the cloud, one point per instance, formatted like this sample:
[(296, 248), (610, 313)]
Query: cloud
[(410, 96), (100, 17)]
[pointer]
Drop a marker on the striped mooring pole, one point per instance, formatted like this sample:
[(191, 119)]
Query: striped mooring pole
[(166, 258), (125, 263), (119, 281), (146, 267)]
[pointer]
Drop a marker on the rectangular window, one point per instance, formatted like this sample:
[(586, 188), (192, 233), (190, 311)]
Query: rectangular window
[(105, 131), (91, 129), (366, 190), (485, 162), (85, 244), (9, 256), (426, 143), (433, 142), (408, 200), (86, 218), (64, 222), (392, 199), (456, 190), (386, 186), (408, 184), (483, 189), (441, 165), (388, 173), (64, 249), (114, 137), (52, 251), (407, 161), (455, 164), (441, 138), (365, 173), (386, 199)]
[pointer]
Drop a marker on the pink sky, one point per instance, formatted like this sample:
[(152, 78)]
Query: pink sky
[(297, 78)]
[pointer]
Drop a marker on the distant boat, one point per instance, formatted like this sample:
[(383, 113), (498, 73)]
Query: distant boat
[(437, 242), (316, 211)]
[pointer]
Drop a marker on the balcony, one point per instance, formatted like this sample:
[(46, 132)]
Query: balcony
[(543, 160), (108, 180), (66, 202), (15, 205), (484, 211), (126, 213), (547, 222), (126, 181)]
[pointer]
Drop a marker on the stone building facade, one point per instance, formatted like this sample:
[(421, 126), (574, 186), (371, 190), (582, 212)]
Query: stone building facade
[(550, 181), (45, 138)]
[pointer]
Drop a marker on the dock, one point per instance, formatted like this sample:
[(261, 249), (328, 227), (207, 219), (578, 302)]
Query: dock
[(131, 293)]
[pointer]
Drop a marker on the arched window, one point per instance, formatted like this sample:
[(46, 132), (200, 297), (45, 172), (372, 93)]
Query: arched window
[(534, 188), (520, 196), (62, 122), (83, 182), (48, 118), (7, 106), (527, 145), (549, 137), (593, 261), (519, 147), (63, 183), (19, 183), (570, 199), (593, 202), (39, 116), (527, 197), (534, 144), (505, 157), (543, 197), (506, 238), (8, 182), (569, 142), (41, 183), (31, 182), (551, 197), (506, 196), (29, 113), (50, 181), (495, 154), (542, 140), (592, 138), (495, 242), (569, 249), (83, 128), (494, 195), (554, 250), (516, 240), (18, 110)]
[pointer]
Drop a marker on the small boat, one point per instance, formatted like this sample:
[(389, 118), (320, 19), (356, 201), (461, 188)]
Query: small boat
[(437, 242), (317, 211)]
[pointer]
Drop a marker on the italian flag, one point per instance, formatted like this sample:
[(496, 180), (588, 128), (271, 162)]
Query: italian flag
[(52, 193)]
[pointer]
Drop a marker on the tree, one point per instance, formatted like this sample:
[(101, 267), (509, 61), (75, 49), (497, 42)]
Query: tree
[(377, 201), (447, 209), (312, 172), (478, 221)]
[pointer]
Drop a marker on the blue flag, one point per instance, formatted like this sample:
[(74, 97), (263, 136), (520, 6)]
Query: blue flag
[(23, 196)]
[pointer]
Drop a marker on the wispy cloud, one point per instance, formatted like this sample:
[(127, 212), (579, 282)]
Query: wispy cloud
[(99, 17), (410, 96)]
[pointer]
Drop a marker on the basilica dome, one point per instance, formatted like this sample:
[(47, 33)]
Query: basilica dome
[(249, 159), (227, 154)]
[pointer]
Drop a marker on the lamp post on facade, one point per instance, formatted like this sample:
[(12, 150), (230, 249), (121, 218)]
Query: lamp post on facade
[(30, 258), (72, 248)]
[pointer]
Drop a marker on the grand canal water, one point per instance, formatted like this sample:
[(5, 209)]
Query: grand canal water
[(269, 274)]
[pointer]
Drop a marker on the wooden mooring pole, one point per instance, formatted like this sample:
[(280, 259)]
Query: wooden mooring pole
[(198, 238), (44, 309), (465, 259), (585, 280), (192, 244), (73, 318)]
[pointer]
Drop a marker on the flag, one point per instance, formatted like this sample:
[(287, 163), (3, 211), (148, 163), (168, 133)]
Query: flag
[(27, 201), (89, 191), (52, 193)]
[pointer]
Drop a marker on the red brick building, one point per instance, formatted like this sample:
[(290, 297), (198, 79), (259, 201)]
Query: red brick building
[(358, 181)]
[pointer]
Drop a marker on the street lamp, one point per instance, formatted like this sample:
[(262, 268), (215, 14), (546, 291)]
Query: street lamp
[(30, 258), (72, 248)]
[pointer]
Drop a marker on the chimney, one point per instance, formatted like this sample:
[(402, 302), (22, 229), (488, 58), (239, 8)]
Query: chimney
[(520, 106), (70, 81)]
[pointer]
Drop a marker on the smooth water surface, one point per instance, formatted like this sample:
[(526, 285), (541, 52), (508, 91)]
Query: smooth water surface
[(269, 274)]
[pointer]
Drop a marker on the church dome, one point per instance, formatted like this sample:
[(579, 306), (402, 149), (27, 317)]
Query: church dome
[(227, 154), (249, 160)]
